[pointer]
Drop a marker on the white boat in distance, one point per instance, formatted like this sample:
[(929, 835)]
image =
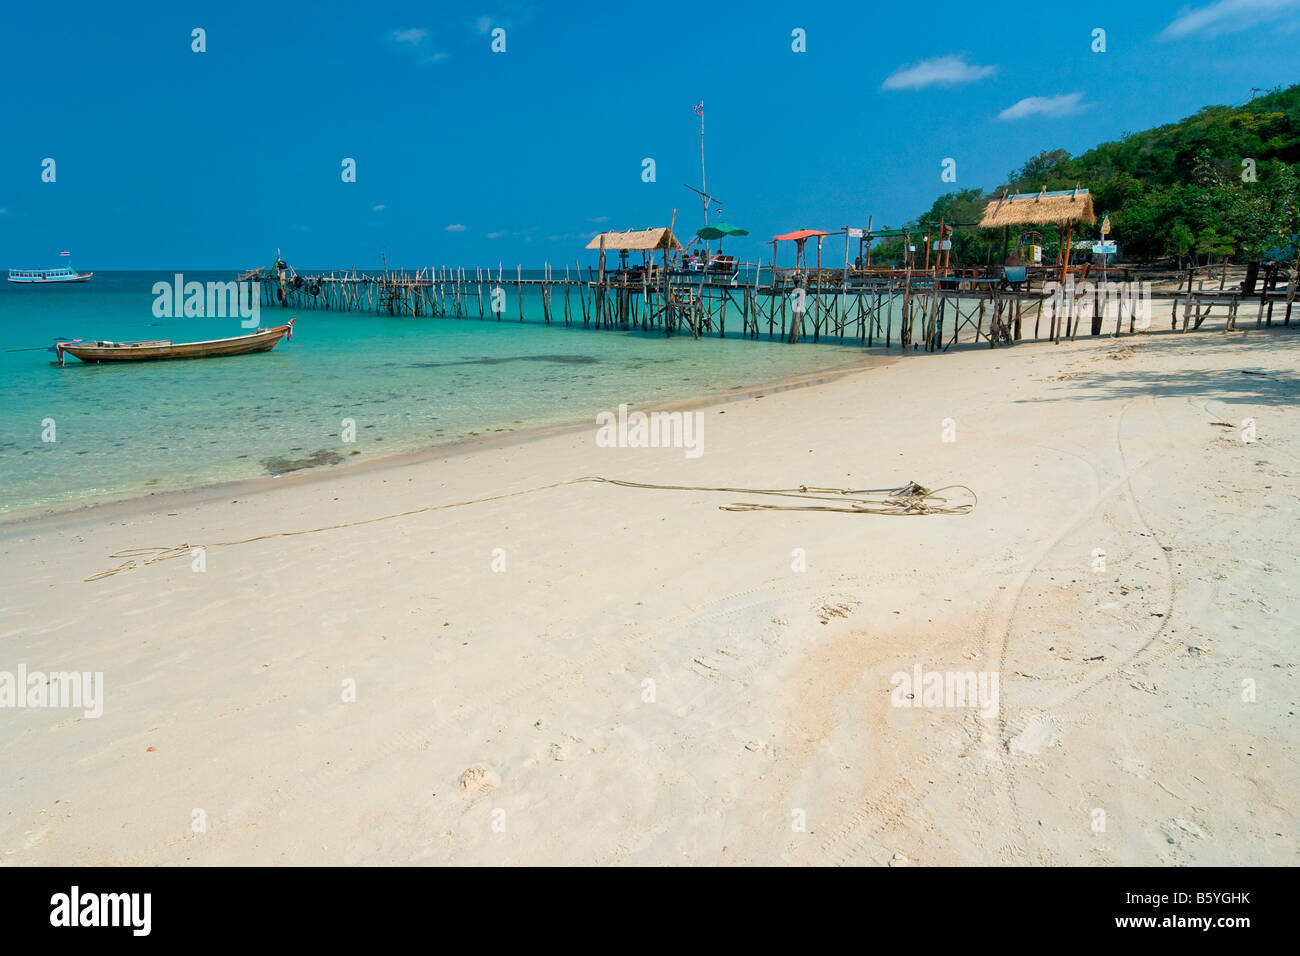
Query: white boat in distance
[(45, 276)]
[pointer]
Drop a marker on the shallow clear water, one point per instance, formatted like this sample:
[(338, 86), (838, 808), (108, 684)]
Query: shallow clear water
[(129, 428)]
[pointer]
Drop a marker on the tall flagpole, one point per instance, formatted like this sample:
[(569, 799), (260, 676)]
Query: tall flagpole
[(704, 183)]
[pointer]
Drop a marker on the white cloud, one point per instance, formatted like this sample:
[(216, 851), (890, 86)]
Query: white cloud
[(414, 36), (379, 208), (598, 219), (512, 14), (1227, 16), (495, 235), (951, 70), (1063, 104), (456, 227)]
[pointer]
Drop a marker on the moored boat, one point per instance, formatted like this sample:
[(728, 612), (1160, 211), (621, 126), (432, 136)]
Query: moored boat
[(263, 340), (48, 276)]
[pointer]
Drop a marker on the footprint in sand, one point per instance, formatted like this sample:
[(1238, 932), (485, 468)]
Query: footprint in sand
[(478, 781), (1039, 732)]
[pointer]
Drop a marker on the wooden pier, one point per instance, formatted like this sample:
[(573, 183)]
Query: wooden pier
[(930, 309)]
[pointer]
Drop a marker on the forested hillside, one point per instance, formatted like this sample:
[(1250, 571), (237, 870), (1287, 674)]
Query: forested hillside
[(1222, 183)]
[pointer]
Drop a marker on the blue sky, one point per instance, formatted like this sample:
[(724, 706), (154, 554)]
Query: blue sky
[(167, 158)]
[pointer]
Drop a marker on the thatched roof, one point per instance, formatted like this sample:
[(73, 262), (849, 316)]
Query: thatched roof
[(1039, 209), (637, 239)]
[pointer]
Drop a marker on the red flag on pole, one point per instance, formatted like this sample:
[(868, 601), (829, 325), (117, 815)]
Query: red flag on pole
[(699, 108)]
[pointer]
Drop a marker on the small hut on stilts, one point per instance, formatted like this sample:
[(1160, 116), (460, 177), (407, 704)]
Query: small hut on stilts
[(645, 277), (1062, 208)]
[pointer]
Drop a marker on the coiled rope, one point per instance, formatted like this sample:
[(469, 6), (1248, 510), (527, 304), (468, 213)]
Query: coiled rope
[(910, 499)]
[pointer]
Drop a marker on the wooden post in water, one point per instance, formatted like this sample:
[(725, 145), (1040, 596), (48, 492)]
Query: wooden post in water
[(668, 287), (567, 311), (889, 311), (905, 323), (600, 285)]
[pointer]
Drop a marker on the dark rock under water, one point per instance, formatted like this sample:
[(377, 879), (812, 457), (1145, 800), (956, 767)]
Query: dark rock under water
[(489, 360), (278, 466)]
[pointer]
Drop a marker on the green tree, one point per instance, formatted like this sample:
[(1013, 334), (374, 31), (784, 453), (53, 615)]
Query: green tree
[(1181, 239), (1212, 245), (1050, 168)]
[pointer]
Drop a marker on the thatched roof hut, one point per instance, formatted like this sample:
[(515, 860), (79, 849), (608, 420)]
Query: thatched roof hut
[(1063, 207), (640, 240)]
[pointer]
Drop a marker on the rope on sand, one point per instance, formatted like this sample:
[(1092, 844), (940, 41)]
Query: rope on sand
[(910, 499)]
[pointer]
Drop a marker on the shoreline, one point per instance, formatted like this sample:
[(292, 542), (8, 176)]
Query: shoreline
[(127, 504), (132, 500)]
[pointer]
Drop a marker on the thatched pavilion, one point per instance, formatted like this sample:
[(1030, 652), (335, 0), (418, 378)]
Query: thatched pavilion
[(1062, 208), (644, 241)]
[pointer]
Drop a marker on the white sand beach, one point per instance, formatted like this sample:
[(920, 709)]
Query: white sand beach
[(501, 716)]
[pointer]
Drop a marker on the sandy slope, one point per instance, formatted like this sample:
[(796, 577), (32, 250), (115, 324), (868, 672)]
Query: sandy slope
[(1121, 690)]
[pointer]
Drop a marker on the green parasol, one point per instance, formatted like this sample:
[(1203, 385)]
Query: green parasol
[(720, 230)]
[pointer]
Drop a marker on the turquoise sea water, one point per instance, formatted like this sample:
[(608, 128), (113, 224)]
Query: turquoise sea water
[(125, 429)]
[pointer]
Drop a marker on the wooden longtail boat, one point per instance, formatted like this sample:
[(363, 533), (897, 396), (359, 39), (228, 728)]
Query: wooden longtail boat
[(263, 340)]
